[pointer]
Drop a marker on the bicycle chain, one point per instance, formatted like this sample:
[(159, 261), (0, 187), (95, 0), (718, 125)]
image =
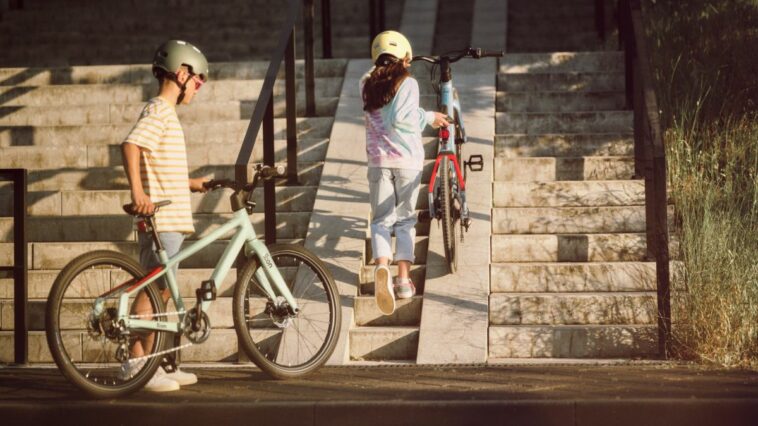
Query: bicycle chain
[(165, 314), (178, 348)]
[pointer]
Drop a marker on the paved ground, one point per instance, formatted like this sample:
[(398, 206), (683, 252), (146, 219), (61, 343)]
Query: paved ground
[(650, 394)]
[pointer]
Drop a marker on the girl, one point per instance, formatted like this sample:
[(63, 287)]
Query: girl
[(395, 154)]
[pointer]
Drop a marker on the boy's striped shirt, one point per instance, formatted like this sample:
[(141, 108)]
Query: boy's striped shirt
[(163, 164)]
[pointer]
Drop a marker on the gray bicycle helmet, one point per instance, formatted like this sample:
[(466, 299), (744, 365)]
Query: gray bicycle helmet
[(174, 53)]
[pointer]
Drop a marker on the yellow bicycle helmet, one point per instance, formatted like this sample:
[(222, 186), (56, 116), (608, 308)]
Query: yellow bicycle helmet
[(390, 43)]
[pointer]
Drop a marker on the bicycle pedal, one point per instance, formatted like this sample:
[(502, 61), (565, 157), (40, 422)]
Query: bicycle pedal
[(424, 217), (466, 223), (207, 291), (475, 163)]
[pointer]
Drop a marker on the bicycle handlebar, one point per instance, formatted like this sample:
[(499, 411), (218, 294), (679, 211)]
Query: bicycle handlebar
[(261, 171), (470, 52)]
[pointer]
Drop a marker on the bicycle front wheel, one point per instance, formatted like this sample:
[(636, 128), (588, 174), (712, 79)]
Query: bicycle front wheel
[(449, 215), (91, 350), (284, 345)]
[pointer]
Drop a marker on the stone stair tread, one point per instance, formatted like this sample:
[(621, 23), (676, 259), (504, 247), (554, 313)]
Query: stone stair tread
[(569, 193), (106, 134), (581, 247), (518, 145), (142, 74), (577, 277), (573, 341), (548, 169), (407, 313), (384, 343), (123, 93)]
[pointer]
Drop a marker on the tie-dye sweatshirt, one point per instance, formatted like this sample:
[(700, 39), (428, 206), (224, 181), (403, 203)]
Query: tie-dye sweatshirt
[(393, 132)]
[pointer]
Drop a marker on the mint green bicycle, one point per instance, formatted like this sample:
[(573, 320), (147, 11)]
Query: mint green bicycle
[(108, 328)]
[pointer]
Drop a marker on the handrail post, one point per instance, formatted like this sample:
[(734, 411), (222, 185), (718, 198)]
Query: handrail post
[(600, 18), (326, 29), (269, 185), (656, 197), (291, 106), (310, 75), (376, 17), (20, 268)]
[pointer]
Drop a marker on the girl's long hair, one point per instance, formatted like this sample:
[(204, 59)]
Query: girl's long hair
[(382, 84)]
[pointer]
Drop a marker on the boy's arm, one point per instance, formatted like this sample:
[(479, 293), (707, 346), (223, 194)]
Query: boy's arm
[(131, 154)]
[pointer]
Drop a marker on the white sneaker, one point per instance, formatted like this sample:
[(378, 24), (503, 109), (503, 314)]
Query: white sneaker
[(383, 292), (182, 377), (405, 290), (161, 383)]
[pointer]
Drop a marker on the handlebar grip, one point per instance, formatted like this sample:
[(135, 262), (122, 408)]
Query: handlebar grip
[(492, 53), (271, 171)]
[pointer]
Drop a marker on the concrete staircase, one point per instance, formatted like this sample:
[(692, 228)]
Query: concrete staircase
[(68, 136), (570, 276), (553, 26), (125, 32)]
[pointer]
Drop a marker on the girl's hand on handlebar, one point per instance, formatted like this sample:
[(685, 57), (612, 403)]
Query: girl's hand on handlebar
[(440, 120), (196, 185)]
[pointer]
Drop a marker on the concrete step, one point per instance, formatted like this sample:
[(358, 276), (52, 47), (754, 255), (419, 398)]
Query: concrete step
[(523, 24), (40, 281), (547, 169), (564, 145), (564, 122), (420, 249), (113, 178), (560, 101), (407, 313), (570, 248), (573, 341), (569, 194), (561, 62), (568, 220), (121, 228), (573, 309), (121, 93), (201, 112), (75, 313), (309, 150), (417, 274), (221, 346), (384, 343), (55, 255), (141, 74), (565, 43), (576, 277), (195, 133), (104, 202), (601, 81)]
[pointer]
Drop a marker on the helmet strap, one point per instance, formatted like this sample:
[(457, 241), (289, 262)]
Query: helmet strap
[(182, 86)]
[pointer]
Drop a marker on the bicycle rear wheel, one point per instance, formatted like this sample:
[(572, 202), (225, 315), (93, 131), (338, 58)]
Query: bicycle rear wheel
[(283, 345), (91, 350), (449, 215)]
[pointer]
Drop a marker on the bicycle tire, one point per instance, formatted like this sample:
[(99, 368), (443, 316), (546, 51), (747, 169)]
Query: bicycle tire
[(448, 216), (100, 382), (269, 353)]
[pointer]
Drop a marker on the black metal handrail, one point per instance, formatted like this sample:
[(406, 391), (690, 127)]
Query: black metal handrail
[(20, 267), (377, 18), (649, 155), (263, 115)]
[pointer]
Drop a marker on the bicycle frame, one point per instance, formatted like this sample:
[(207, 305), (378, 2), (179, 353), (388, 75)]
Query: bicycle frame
[(447, 148), (245, 236)]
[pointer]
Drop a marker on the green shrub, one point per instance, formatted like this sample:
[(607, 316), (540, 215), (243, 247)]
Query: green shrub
[(705, 64)]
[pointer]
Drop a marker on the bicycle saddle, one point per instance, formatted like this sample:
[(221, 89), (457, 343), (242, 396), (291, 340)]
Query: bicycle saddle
[(129, 208)]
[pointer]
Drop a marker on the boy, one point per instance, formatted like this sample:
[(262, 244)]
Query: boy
[(155, 160)]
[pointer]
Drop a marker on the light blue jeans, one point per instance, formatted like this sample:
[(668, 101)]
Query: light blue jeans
[(393, 194), (172, 243)]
